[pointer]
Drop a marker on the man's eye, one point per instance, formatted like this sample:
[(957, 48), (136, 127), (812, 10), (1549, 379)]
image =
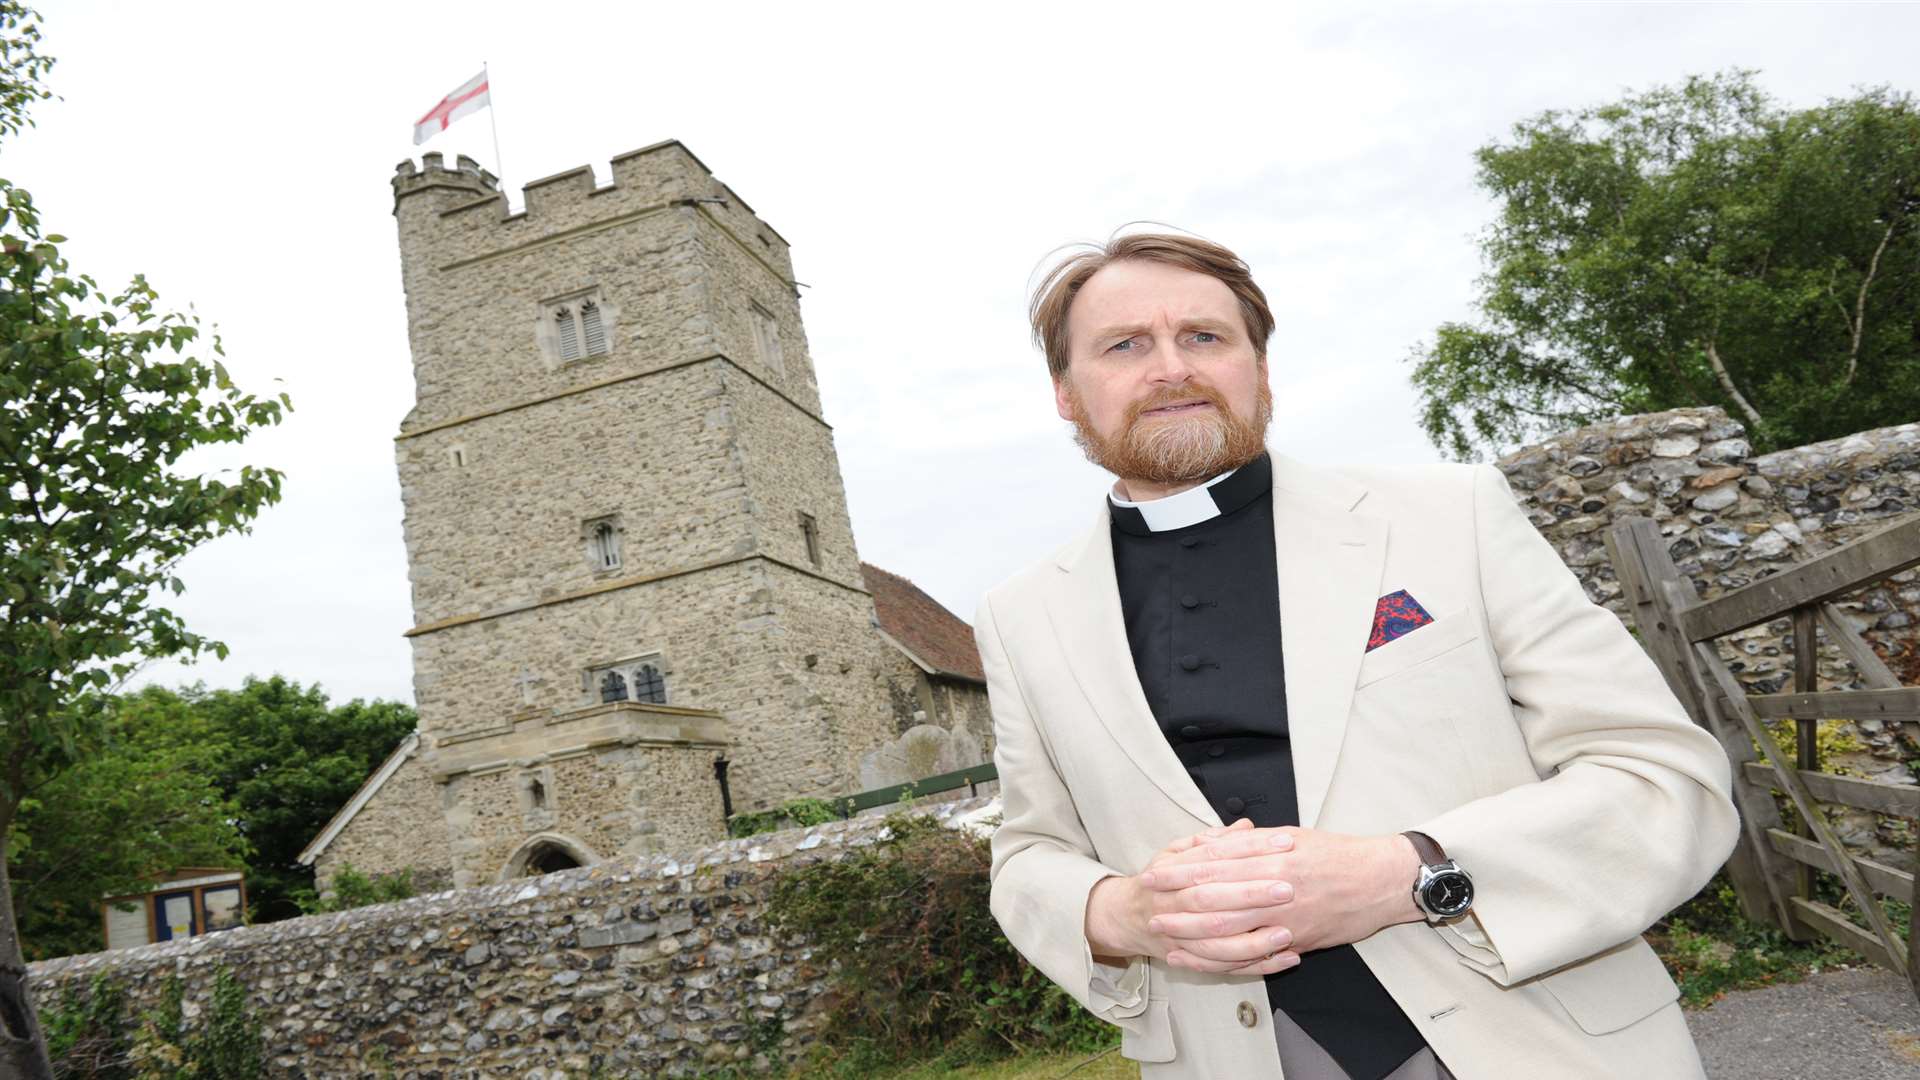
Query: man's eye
[(1205, 335), (1122, 346)]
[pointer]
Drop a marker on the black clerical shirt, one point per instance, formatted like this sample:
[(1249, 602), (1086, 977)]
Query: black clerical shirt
[(1199, 589)]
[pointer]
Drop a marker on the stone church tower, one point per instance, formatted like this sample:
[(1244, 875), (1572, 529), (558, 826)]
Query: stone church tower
[(628, 539)]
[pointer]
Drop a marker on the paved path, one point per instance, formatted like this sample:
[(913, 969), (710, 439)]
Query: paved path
[(1857, 1024)]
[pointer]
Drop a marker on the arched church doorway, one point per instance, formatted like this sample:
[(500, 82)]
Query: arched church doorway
[(546, 853), (546, 859)]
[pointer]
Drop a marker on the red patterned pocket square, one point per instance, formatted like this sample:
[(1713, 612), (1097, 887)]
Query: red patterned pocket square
[(1394, 614)]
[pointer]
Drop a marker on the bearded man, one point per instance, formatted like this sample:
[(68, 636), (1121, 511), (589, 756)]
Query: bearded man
[(1330, 773)]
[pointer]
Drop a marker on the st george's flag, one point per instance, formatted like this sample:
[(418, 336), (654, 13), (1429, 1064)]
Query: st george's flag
[(471, 97)]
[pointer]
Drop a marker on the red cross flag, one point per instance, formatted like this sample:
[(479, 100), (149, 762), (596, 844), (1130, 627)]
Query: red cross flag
[(469, 98)]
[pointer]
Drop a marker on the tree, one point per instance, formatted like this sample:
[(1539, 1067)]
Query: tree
[(289, 762), (193, 777), (144, 802), (1692, 245), (93, 416)]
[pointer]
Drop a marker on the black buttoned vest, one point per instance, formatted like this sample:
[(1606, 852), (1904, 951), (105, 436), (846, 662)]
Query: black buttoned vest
[(1202, 610)]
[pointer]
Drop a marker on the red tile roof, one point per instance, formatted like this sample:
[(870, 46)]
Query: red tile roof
[(938, 637)]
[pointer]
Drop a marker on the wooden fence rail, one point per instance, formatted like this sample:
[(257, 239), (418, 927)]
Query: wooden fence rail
[(1773, 867)]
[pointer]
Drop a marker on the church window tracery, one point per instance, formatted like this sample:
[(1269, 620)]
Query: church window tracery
[(640, 679), (648, 685), (613, 687)]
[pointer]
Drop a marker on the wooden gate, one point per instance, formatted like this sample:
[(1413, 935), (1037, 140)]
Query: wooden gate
[(1772, 867)]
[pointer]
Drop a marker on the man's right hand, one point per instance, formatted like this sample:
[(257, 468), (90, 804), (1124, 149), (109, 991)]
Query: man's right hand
[(1241, 941)]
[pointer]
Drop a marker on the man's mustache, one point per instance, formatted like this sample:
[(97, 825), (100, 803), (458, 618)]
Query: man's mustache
[(1190, 393)]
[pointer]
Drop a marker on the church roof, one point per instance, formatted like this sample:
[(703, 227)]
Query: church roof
[(933, 637)]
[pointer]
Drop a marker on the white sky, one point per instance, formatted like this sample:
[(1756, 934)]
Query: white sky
[(921, 162)]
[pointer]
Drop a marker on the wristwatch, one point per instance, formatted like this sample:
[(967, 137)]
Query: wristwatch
[(1443, 890)]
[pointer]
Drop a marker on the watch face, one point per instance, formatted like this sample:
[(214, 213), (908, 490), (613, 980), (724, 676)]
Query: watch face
[(1449, 893)]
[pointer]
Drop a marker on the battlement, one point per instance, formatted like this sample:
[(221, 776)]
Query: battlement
[(466, 175), (470, 210)]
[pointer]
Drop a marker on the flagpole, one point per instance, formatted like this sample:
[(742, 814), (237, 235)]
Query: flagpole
[(492, 119)]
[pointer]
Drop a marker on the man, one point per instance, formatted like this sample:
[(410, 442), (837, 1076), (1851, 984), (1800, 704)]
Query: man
[(1330, 772)]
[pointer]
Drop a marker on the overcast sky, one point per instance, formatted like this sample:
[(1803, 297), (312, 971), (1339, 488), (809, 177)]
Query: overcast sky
[(921, 162)]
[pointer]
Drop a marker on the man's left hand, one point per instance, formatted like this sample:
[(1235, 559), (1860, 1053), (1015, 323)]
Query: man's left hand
[(1343, 887)]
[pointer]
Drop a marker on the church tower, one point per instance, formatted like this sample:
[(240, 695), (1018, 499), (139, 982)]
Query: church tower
[(627, 533)]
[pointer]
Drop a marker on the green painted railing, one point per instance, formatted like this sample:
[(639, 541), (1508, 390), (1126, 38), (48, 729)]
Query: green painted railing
[(970, 778)]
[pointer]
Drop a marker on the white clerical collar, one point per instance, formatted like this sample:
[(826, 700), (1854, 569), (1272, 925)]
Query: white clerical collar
[(1177, 511)]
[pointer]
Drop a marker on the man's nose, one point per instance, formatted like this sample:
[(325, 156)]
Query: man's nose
[(1171, 364)]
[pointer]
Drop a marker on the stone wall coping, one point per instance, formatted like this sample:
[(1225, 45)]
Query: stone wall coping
[(410, 917)]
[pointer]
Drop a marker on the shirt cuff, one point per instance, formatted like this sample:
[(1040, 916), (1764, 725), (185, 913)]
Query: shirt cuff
[(1116, 992)]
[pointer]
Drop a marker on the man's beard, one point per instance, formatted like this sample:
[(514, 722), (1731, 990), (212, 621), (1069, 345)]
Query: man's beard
[(1176, 449)]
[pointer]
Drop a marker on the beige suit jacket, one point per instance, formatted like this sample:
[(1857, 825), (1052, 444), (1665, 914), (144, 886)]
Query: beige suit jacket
[(1524, 729)]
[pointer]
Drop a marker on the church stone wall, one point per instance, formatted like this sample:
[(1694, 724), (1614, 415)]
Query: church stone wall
[(654, 965), (507, 526), (741, 275), (404, 827), (618, 802), (789, 465)]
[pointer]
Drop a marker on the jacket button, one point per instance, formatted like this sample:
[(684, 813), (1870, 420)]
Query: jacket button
[(1236, 804), (1191, 731), (1190, 662), (1249, 1016), (1189, 541), (1216, 750), (1189, 601)]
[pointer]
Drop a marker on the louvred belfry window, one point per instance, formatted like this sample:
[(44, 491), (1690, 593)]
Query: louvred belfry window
[(576, 326), (594, 334)]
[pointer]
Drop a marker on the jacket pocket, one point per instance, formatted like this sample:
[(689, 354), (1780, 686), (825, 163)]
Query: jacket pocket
[(1152, 1041), (1447, 631), (1613, 989)]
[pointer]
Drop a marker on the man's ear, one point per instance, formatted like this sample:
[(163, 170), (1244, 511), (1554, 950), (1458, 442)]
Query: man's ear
[(1062, 397)]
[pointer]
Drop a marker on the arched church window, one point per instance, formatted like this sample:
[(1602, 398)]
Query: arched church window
[(613, 687), (648, 686), (606, 546)]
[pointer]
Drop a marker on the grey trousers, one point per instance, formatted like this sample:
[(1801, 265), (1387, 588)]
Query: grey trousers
[(1303, 1059)]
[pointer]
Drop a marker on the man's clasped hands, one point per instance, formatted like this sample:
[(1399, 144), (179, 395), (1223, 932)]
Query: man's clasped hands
[(1249, 901)]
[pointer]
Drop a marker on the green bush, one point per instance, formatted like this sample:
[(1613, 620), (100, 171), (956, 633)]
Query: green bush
[(795, 813), (226, 1044), (919, 967), (86, 1036), (1710, 947), (351, 889)]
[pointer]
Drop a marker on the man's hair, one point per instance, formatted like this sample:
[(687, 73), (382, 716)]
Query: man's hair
[(1055, 293)]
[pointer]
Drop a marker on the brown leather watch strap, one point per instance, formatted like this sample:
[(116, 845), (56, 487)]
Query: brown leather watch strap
[(1424, 846)]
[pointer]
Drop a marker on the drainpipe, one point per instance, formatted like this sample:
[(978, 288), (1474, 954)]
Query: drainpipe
[(726, 795)]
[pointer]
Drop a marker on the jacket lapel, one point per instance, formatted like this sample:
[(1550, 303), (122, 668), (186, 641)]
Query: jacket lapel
[(1084, 604), (1330, 561)]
